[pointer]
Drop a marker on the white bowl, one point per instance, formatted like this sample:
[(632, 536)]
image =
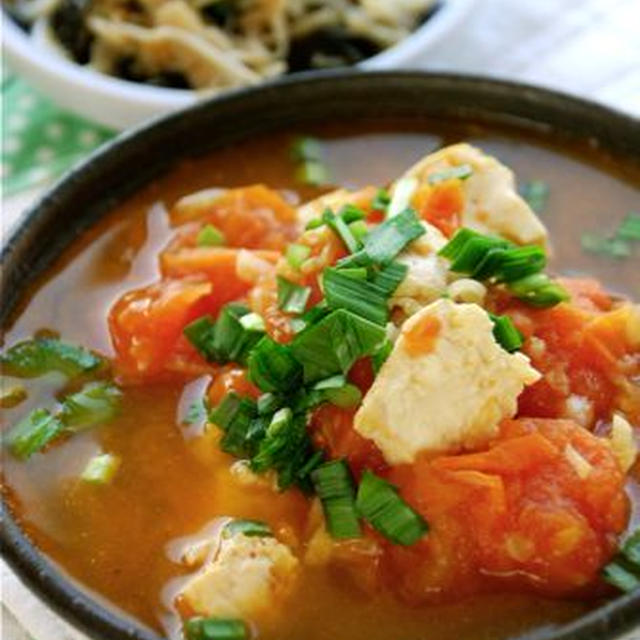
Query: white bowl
[(121, 104)]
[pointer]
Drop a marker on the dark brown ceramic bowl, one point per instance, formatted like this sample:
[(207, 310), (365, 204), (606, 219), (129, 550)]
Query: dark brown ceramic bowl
[(119, 168)]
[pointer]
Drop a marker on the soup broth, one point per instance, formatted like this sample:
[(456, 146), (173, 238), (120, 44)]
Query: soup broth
[(122, 540)]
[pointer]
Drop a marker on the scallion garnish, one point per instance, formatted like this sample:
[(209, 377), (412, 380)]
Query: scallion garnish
[(253, 322), (95, 403), (461, 172), (11, 394), (101, 469), (623, 571), (236, 416), (199, 628), (33, 433), (210, 236), (350, 213), (334, 485), (337, 391), (296, 254), (381, 200), (338, 225), (359, 229), (365, 299), (612, 247), (388, 239), (272, 366), (201, 334), (538, 290), (536, 194), (268, 403), (379, 357), (333, 344), (380, 504), (36, 357), (388, 278), (249, 528), (310, 156), (629, 228), (292, 297), (506, 333), (403, 191)]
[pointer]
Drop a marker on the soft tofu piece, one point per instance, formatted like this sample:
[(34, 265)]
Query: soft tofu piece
[(426, 279), (333, 200), (248, 577), (450, 395), (492, 203)]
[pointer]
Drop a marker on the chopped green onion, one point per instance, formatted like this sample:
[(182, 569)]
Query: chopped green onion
[(629, 228), (381, 200), (312, 173), (403, 191), (36, 357), (334, 382), (610, 247), (215, 629), (11, 394), (101, 469), (355, 273), (538, 290), (334, 485), (350, 213), (388, 239), (253, 322), (268, 403), (292, 297), (233, 341), (471, 255), (296, 254), (95, 403), (536, 194), (307, 148), (201, 334), (365, 299), (275, 441), (623, 571), (196, 413), (519, 262), (345, 397), (506, 333), (210, 236), (33, 433), (618, 575), (461, 172), (272, 366), (333, 344), (236, 417), (249, 528), (380, 504), (316, 223), (379, 357), (359, 229), (341, 229), (388, 279)]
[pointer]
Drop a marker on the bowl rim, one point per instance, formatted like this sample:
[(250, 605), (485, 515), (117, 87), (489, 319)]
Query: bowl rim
[(89, 611), (19, 46)]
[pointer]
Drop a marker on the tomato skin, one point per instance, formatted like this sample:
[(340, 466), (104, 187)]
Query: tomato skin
[(230, 379), (442, 205), (146, 329), (514, 516)]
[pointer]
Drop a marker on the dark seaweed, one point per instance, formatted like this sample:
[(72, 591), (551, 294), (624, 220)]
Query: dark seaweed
[(68, 22), (330, 47), (126, 68)]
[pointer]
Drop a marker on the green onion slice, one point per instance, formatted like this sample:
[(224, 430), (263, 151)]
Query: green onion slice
[(365, 299), (334, 344), (536, 194), (538, 290), (389, 278), (380, 504), (350, 213), (201, 334), (249, 528), (36, 357), (296, 254), (402, 194), (272, 366), (334, 485), (612, 247), (199, 628), (292, 297), (506, 333), (381, 200), (461, 172), (237, 417), (95, 403), (101, 469), (629, 228), (340, 227), (33, 433), (387, 240), (379, 357), (210, 236)]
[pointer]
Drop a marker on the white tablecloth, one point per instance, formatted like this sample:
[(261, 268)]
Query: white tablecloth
[(587, 47)]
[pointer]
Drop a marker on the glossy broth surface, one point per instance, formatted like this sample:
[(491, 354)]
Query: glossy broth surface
[(117, 540)]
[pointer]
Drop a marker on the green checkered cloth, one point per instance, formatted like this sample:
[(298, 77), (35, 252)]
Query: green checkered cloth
[(39, 140)]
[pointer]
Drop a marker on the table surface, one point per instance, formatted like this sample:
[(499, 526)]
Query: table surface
[(587, 47)]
